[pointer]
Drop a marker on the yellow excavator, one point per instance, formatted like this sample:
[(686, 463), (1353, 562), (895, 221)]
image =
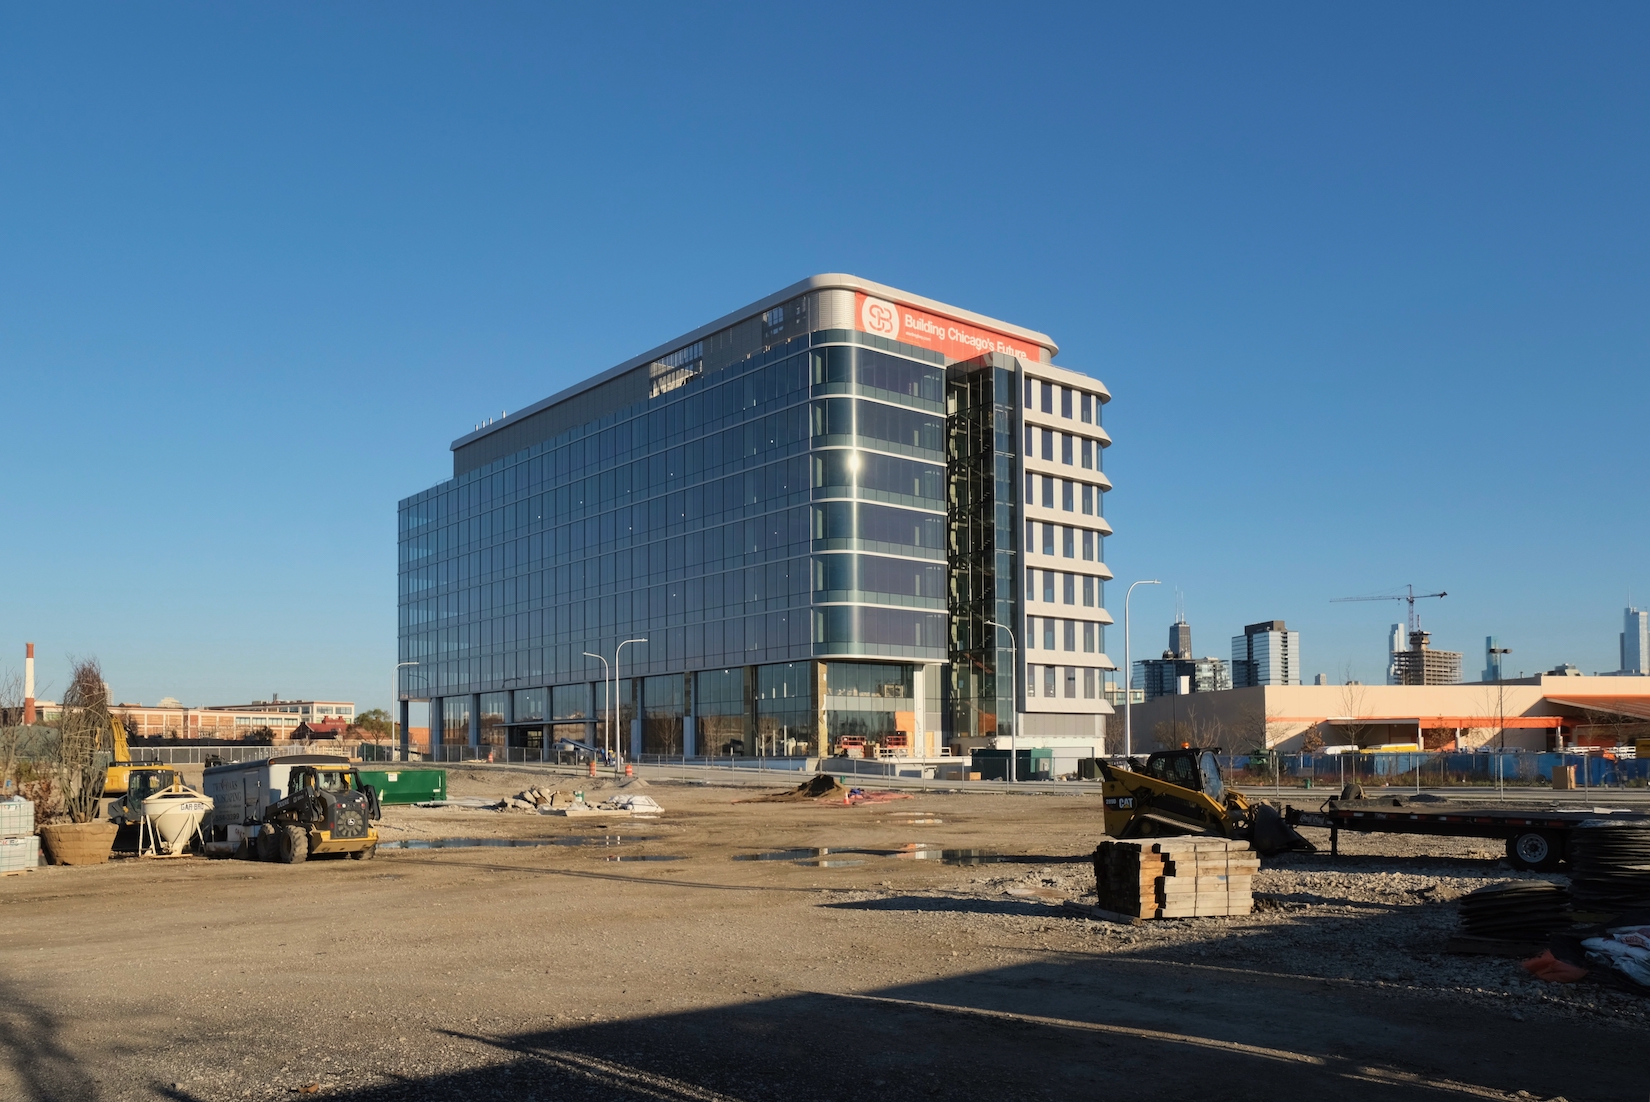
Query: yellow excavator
[(118, 778), (1180, 792)]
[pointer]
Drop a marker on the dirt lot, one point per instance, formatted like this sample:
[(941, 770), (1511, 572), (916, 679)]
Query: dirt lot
[(606, 970)]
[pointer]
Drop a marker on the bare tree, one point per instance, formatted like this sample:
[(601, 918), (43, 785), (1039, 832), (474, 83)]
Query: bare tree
[(11, 724), (1354, 708), (82, 732)]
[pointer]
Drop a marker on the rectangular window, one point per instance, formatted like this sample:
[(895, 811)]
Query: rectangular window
[(1071, 636), (1048, 633), (1088, 500), (1088, 455), (1088, 638), (1070, 541), (1048, 539), (1065, 402), (1031, 583), (1028, 391), (1031, 487), (1071, 589), (1066, 495), (1088, 546), (1048, 445), (1031, 680), (1031, 439), (1048, 397), (1088, 592), (1088, 675), (1071, 682), (1086, 409), (1048, 586), (1065, 448), (1031, 535), (1049, 673), (1048, 492)]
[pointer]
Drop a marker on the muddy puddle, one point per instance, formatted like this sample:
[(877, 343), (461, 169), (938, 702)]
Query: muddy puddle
[(911, 851), (514, 843)]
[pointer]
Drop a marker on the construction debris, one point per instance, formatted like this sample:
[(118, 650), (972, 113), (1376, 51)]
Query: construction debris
[(1175, 877)]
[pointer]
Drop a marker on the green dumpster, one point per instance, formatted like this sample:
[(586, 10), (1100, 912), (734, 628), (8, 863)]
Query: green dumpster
[(407, 786)]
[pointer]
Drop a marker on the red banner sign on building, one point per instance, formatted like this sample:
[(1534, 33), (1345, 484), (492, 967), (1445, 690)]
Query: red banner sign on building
[(955, 339)]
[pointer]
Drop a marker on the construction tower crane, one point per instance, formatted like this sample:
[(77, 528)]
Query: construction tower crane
[(1409, 595)]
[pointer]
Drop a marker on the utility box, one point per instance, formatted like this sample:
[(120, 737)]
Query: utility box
[(242, 790), (407, 786)]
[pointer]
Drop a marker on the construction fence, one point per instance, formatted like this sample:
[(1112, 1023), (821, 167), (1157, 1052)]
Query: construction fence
[(1437, 770)]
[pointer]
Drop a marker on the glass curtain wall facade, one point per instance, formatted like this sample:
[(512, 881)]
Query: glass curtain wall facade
[(766, 507)]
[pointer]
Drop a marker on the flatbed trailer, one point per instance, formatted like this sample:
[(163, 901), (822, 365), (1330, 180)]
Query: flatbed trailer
[(1537, 837)]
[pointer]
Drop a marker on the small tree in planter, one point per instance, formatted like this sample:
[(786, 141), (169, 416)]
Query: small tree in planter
[(83, 731)]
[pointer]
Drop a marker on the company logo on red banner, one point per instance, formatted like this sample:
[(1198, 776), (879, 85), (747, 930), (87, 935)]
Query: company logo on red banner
[(951, 338)]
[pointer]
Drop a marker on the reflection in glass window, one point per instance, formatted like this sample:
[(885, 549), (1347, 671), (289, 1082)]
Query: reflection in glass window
[(878, 679), (1065, 402)]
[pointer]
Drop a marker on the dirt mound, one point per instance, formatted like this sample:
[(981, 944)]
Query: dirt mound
[(819, 786)]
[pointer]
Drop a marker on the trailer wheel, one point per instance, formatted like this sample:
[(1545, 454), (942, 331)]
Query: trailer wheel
[(1535, 850), (294, 844), (364, 854)]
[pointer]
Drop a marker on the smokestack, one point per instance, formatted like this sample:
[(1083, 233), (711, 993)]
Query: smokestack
[(28, 684)]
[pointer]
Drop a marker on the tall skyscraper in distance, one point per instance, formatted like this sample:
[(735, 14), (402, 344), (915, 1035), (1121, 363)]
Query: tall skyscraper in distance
[(1180, 639), (1635, 641), (1267, 653), (1395, 642)]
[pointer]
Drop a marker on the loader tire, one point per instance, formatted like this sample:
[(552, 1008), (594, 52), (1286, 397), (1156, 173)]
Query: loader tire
[(263, 846), (364, 854), (294, 844)]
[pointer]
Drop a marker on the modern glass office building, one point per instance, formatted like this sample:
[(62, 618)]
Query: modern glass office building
[(844, 517)]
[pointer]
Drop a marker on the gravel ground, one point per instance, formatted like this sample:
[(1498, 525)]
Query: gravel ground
[(553, 971)]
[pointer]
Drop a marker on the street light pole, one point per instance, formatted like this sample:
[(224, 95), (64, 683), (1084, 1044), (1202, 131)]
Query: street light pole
[(618, 650), (1501, 704), (395, 703), (1013, 699), (605, 671), (1128, 670)]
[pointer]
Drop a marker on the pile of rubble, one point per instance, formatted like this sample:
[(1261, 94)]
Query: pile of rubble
[(567, 802)]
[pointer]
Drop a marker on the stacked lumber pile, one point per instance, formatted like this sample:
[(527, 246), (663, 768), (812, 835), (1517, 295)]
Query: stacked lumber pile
[(1176, 877)]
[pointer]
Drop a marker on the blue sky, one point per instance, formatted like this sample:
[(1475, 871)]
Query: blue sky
[(1368, 286)]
